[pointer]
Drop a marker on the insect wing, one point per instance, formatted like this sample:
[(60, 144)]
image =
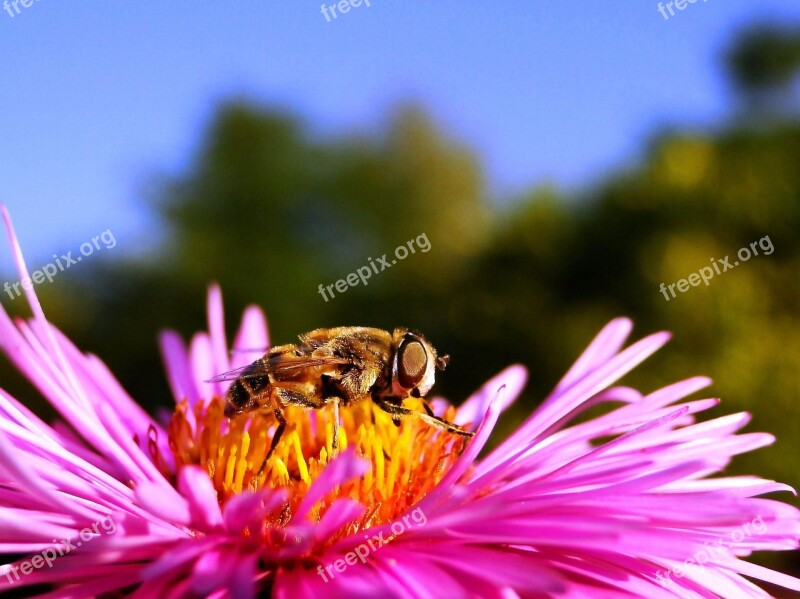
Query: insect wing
[(275, 364)]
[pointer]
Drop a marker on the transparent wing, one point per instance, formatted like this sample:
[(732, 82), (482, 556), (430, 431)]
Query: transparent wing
[(280, 363)]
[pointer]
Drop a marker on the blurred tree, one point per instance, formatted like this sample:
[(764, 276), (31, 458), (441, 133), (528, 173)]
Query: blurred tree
[(764, 62)]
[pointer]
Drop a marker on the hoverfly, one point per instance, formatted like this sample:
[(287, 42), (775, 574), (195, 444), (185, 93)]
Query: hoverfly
[(339, 366)]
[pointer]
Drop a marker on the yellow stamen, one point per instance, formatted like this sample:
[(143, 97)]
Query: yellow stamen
[(301, 460), (407, 461)]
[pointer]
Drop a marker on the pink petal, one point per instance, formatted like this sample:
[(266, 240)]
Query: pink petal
[(252, 340), (179, 371), (342, 468), (602, 348), (216, 327), (196, 487), (474, 409)]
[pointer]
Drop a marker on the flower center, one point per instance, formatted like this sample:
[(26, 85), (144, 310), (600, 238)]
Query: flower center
[(407, 460)]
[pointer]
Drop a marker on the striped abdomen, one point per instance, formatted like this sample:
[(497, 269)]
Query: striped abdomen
[(244, 391)]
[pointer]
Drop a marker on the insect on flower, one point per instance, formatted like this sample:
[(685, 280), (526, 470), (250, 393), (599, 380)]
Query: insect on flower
[(339, 366)]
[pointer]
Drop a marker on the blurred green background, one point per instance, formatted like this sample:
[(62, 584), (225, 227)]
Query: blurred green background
[(270, 211)]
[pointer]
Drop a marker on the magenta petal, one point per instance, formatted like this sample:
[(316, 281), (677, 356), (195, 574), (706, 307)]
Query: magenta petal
[(671, 393), (179, 557), (357, 582), (242, 583), (602, 348), (14, 464), (767, 575), (248, 509), (196, 487), (239, 509), (340, 513), (36, 307), (510, 568), (558, 404), (473, 410), (179, 371), (176, 509), (564, 401), (417, 578), (203, 368), (252, 340), (216, 328), (211, 570), (96, 585), (466, 459), (345, 466)]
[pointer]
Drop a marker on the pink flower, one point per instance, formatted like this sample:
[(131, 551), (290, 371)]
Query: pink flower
[(110, 501)]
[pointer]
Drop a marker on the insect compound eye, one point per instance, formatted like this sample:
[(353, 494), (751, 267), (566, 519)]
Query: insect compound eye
[(412, 360)]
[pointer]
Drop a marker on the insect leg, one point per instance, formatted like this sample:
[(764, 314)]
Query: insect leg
[(281, 395), (390, 408), (295, 394), (391, 401), (450, 427), (428, 408), (335, 442), (441, 422), (278, 413)]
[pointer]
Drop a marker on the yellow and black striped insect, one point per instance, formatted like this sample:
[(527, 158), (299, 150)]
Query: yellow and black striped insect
[(339, 366)]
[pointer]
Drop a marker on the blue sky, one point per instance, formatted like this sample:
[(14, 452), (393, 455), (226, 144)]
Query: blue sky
[(96, 98)]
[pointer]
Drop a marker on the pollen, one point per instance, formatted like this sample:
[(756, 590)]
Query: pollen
[(407, 459)]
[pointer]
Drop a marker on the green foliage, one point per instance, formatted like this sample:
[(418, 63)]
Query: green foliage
[(763, 63), (765, 56)]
